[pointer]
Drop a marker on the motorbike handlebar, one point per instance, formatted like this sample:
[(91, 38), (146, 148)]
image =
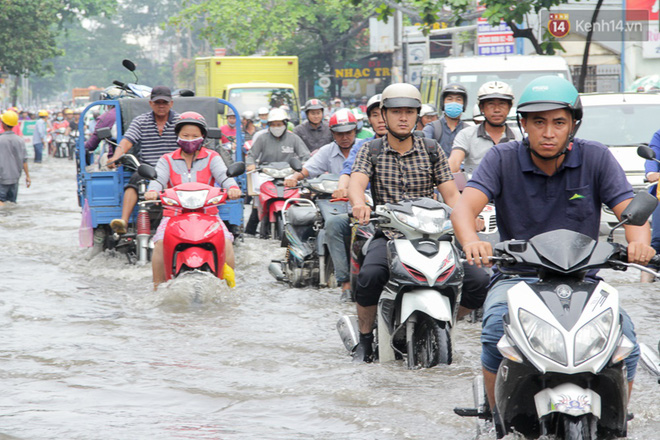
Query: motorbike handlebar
[(339, 199), (119, 84)]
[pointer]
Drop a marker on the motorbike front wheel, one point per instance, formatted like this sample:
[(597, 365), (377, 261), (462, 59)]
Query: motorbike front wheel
[(579, 428), (430, 344), (277, 227)]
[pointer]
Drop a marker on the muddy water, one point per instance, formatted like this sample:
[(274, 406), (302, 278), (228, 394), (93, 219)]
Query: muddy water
[(90, 352)]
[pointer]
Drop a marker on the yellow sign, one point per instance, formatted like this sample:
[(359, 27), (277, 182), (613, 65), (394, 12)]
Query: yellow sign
[(376, 72)]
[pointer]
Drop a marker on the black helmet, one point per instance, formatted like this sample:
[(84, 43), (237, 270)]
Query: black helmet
[(456, 88), (193, 118)]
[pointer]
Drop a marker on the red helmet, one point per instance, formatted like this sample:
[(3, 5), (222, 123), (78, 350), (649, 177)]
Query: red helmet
[(193, 118), (342, 121)]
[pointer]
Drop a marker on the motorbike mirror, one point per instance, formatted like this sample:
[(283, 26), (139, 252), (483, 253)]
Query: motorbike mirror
[(147, 171), (128, 64), (221, 109), (236, 169), (646, 152), (104, 133), (184, 92), (213, 133), (295, 163), (640, 209)]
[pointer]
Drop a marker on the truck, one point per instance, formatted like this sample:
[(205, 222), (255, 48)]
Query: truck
[(250, 82), (80, 96), (472, 72)]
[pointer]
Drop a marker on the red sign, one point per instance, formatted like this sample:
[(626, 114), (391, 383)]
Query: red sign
[(495, 39), (219, 51), (558, 25)]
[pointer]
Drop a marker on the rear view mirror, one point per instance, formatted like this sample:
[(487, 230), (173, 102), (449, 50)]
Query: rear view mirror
[(640, 209), (645, 152), (128, 64), (104, 133), (295, 163), (213, 133), (147, 171), (236, 169)]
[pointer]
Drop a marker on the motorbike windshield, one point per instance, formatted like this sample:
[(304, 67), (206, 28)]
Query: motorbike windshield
[(563, 248)]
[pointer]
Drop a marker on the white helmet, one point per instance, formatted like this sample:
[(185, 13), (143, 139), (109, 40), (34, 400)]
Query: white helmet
[(427, 110), (495, 90), (262, 111), (277, 114), (477, 116), (401, 95)]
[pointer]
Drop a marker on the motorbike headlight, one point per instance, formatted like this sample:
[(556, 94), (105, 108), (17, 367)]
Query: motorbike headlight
[(325, 186), (592, 337), (277, 173), (426, 220), (544, 339), (192, 199)]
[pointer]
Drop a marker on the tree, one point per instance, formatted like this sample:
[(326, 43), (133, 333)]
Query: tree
[(321, 32), (30, 27)]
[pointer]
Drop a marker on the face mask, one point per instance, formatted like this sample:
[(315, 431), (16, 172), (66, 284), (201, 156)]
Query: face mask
[(263, 121), (453, 109), (231, 125), (59, 118), (190, 145), (277, 131)]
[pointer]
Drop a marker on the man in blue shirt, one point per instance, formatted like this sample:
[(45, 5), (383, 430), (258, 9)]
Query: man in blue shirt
[(453, 102), (330, 159), (548, 181)]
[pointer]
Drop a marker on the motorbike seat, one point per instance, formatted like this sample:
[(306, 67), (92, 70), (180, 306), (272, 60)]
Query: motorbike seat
[(300, 215)]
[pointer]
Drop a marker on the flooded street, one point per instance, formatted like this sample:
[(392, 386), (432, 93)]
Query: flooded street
[(90, 352)]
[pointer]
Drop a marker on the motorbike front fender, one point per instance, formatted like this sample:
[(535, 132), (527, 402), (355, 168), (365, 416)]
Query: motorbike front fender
[(274, 207), (194, 258), (428, 301), (569, 399)]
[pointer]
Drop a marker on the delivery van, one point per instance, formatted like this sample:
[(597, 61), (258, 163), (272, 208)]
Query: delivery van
[(250, 83), (472, 72)]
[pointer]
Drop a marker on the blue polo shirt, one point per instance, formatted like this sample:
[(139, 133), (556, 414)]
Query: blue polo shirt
[(348, 163), (528, 202)]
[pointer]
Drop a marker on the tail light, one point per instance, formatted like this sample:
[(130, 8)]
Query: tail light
[(143, 223)]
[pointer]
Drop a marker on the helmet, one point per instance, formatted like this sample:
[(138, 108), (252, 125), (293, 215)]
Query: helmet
[(230, 111), (111, 92), (68, 111), (10, 118), (549, 93), (262, 111), (455, 88), (278, 114), (248, 115), (401, 95), (313, 104), (193, 118), (374, 101), (357, 113), (477, 116), (427, 110), (42, 113), (342, 121), (495, 90)]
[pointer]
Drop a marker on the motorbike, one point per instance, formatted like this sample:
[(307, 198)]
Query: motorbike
[(307, 260), (61, 143), (273, 194), (563, 373), (417, 309), (193, 239)]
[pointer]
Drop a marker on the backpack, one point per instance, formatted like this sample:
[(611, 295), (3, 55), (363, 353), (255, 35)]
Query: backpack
[(376, 147), (437, 128)]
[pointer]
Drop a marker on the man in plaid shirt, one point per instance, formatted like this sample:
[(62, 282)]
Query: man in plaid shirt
[(403, 170)]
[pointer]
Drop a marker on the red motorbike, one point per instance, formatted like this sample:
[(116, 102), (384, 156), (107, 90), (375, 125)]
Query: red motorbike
[(272, 196), (194, 239)]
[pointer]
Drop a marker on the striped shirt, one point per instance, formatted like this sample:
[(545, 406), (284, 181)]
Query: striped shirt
[(403, 176), (144, 131)]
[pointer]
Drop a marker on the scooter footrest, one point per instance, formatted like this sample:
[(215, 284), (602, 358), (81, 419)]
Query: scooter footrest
[(467, 412)]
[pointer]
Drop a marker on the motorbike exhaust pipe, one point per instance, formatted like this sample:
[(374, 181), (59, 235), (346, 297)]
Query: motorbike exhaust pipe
[(349, 332), (275, 269)]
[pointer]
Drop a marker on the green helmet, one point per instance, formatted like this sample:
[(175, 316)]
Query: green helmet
[(550, 93)]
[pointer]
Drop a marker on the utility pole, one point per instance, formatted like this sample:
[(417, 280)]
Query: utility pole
[(398, 73)]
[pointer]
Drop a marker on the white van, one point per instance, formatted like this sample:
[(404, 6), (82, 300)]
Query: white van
[(472, 72)]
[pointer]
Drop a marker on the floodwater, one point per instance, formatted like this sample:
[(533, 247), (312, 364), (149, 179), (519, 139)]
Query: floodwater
[(90, 352)]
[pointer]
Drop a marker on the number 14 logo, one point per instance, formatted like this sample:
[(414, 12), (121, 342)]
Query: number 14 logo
[(558, 25)]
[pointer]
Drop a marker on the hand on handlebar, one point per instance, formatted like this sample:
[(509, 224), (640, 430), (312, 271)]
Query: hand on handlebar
[(151, 195), (362, 213), (340, 193), (233, 193), (251, 167), (479, 253), (290, 181), (640, 253)]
